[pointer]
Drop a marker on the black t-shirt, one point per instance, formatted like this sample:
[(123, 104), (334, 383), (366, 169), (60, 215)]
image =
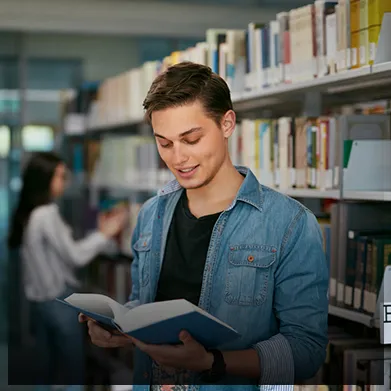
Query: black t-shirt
[(185, 254)]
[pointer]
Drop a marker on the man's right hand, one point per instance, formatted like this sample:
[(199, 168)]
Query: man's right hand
[(103, 338)]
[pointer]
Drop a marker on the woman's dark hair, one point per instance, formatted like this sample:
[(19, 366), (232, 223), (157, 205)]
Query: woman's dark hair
[(36, 181)]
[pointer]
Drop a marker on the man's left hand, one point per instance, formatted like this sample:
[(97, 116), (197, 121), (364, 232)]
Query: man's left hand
[(189, 355)]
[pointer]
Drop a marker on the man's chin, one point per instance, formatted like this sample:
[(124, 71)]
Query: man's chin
[(190, 184), (193, 184), (193, 187)]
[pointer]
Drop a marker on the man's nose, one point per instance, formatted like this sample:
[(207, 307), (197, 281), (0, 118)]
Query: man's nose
[(180, 156)]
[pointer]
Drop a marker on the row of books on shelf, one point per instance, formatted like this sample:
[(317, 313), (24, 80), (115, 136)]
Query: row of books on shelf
[(358, 246), (131, 162), (284, 153), (312, 41), (302, 152)]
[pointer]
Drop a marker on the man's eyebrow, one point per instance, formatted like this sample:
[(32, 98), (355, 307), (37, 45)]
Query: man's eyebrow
[(192, 130)]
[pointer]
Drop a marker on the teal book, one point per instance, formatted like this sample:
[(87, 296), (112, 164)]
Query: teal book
[(154, 323)]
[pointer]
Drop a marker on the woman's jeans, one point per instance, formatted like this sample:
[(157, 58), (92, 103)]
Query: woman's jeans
[(60, 343)]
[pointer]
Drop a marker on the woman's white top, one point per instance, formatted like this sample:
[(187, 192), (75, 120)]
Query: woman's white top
[(50, 255)]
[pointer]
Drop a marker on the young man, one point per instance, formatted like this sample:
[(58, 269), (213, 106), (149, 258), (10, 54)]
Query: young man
[(215, 236)]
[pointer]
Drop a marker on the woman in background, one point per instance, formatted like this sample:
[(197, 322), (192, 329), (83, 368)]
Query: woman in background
[(50, 257)]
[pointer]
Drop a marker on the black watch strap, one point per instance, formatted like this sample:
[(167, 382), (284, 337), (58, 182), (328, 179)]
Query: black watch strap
[(218, 367)]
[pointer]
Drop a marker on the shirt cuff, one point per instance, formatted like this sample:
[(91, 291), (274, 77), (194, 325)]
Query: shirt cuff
[(276, 361)]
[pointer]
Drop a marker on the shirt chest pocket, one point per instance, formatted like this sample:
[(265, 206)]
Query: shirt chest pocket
[(143, 248), (248, 273)]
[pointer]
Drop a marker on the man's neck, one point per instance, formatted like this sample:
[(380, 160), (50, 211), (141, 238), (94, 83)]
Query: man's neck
[(218, 194)]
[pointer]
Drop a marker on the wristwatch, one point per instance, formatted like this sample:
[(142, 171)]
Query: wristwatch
[(218, 369)]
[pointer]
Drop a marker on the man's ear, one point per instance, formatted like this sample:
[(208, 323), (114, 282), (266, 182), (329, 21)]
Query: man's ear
[(228, 123)]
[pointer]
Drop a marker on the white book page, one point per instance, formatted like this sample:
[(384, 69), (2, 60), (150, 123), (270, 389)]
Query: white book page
[(101, 304), (147, 314), (150, 313)]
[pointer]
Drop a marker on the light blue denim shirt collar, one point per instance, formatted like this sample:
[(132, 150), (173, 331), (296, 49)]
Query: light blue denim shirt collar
[(250, 191)]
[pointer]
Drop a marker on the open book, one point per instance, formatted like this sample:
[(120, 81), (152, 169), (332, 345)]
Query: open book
[(157, 323)]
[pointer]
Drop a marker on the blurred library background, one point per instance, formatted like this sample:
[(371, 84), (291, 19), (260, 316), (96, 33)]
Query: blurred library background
[(311, 85)]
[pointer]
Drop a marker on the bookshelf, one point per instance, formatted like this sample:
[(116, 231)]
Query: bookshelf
[(354, 316), (293, 79), (369, 78), (368, 195), (117, 127), (295, 193)]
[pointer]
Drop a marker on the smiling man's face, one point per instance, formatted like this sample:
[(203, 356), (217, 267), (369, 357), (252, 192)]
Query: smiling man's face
[(190, 143)]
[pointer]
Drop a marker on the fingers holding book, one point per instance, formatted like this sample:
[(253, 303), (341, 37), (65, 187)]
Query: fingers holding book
[(102, 336), (189, 354), (83, 318)]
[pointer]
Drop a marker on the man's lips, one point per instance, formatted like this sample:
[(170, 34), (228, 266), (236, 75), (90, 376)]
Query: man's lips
[(187, 169), (186, 172)]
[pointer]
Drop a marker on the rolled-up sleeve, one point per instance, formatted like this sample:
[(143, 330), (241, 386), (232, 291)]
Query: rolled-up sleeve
[(301, 306)]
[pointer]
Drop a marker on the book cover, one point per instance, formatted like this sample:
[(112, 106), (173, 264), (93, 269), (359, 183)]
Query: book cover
[(154, 323)]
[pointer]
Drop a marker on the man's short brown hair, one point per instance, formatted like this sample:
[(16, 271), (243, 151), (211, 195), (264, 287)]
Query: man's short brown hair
[(185, 83)]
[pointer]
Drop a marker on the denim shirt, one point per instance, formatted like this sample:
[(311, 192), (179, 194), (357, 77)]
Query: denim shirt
[(265, 275)]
